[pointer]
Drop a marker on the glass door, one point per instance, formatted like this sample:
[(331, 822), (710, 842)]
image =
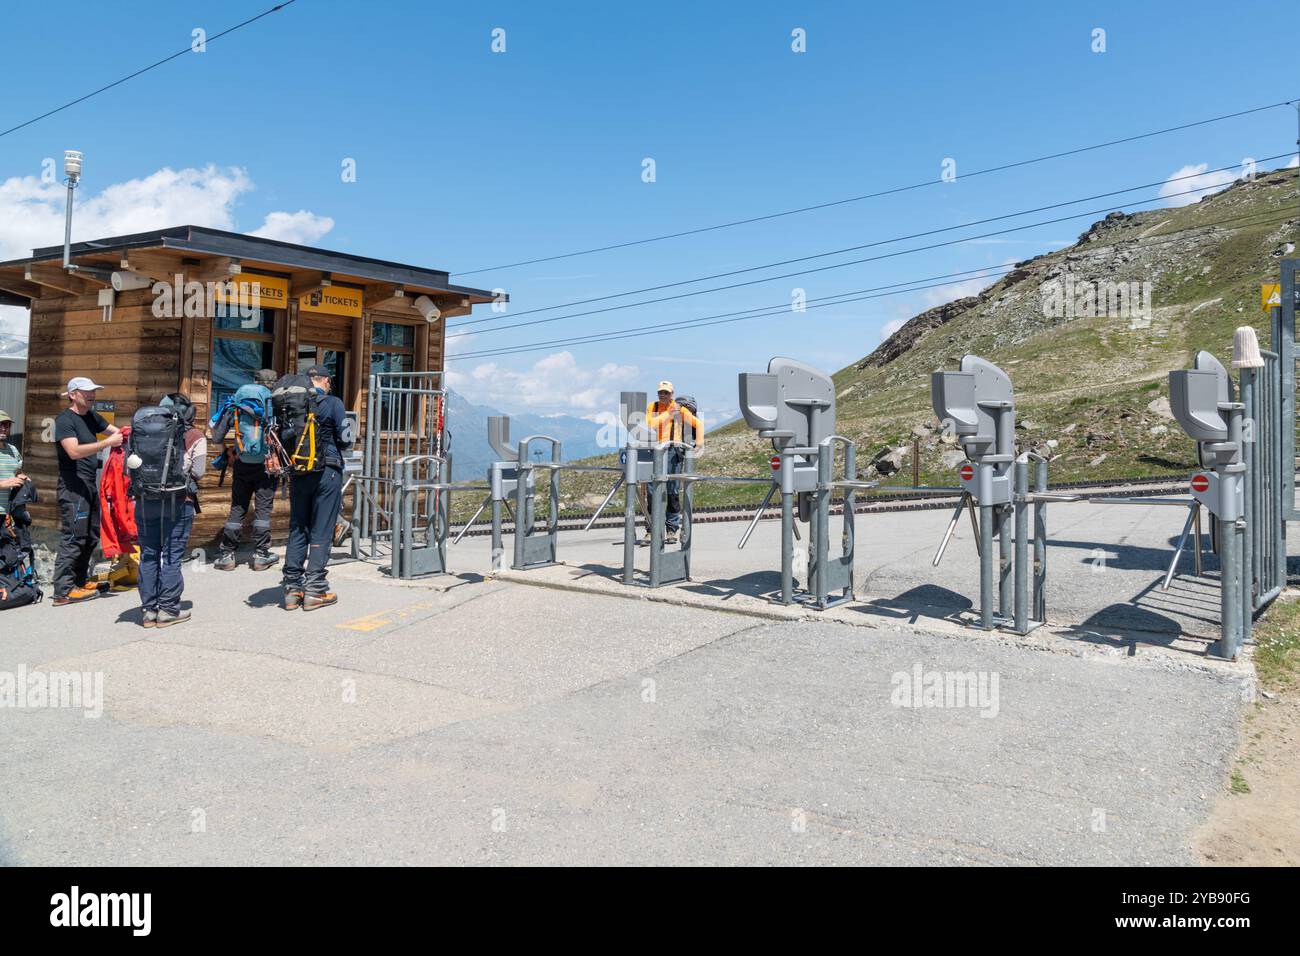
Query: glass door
[(335, 361)]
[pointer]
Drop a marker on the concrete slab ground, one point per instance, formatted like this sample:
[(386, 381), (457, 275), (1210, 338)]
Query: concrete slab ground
[(472, 720)]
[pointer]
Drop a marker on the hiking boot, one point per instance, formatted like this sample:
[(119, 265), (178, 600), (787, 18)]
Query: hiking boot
[(225, 561), (292, 600), (75, 595), (150, 618), (311, 602), (263, 561), (168, 618)]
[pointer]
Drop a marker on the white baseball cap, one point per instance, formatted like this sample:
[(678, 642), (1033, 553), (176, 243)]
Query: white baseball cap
[(665, 386), (81, 384)]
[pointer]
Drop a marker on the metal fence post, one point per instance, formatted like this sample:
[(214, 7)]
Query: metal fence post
[(1040, 545), (850, 507), (787, 528), (1005, 597), (820, 545), (1250, 491), (523, 505), (658, 493), (986, 565), (629, 513), (1021, 505)]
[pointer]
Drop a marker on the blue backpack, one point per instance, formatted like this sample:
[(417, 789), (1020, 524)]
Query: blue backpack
[(250, 415)]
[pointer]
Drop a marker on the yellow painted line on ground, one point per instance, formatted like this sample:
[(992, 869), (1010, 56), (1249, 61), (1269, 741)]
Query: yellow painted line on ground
[(373, 622)]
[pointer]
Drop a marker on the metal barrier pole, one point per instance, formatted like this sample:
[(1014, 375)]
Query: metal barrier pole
[(1196, 536), (986, 566), (1040, 545), (1247, 379), (1182, 542), (787, 529), (498, 555), (850, 509), (553, 525), (952, 526), (688, 510), (629, 513), (1005, 597), (1229, 588), (1021, 506), (758, 515), (658, 494), (819, 546), (523, 505)]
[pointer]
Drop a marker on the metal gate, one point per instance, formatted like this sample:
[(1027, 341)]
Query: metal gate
[(1266, 488), (406, 451)]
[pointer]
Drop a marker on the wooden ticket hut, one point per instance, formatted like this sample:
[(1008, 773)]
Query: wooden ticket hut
[(199, 310)]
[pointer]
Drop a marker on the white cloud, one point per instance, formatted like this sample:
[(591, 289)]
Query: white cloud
[(554, 384), (1295, 161), (956, 290), (301, 227), (889, 328), (1197, 180), (31, 213)]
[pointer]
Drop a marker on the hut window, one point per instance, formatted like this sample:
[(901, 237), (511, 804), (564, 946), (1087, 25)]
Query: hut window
[(241, 344), (392, 349)]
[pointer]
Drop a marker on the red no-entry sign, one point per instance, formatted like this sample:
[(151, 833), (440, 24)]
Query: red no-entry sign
[(967, 472), (1200, 483), (775, 461)]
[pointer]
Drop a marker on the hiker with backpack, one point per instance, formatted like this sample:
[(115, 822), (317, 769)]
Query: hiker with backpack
[(166, 456), (247, 417), (314, 433), (11, 463), (674, 421), (17, 564), (75, 431)]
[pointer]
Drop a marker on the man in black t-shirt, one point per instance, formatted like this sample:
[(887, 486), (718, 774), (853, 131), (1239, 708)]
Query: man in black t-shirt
[(76, 432)]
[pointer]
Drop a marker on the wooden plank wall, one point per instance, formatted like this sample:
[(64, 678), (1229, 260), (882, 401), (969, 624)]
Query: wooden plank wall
[(135, 356)]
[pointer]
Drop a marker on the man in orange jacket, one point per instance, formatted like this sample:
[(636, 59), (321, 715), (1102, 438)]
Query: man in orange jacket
[(671, 421)]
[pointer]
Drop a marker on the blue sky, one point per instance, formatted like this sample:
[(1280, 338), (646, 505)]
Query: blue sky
[(467, 158)]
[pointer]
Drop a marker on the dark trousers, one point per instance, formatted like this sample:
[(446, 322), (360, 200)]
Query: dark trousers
[(673, 462), (164, 527), (314, 503), (78, 537), (249, 483)]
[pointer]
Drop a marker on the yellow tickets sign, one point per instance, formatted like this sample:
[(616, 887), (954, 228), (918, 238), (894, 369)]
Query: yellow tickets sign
[(254, 291), (333, 300)]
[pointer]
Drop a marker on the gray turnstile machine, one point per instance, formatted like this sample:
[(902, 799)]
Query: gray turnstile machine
[(978, 403), (794, 405), (1204, 402), (514, 476)]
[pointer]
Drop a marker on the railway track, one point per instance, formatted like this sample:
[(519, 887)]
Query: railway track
[(865, 504)]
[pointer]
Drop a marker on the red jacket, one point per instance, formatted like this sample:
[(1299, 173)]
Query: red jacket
[(117, 531)]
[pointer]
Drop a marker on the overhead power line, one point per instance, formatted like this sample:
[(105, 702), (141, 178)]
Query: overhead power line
[(1256, 219), (151, 66), (879, 193), (839, 265)]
